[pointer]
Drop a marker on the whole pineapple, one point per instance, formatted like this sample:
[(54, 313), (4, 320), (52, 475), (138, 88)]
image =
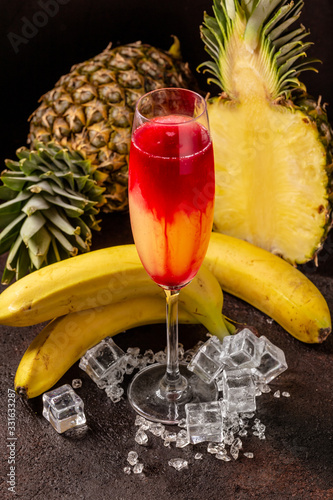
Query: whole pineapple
[(91, 108), (52, 196), (272, 141), (78, 161)]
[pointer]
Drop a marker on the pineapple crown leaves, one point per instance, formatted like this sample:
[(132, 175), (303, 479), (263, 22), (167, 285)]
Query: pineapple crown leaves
[(51, 197), (264, 26)]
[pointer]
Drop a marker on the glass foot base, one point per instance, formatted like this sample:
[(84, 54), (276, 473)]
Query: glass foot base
[(145, 396)]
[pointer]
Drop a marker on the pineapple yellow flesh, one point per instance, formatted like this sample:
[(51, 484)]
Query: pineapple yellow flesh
[(271, 181)]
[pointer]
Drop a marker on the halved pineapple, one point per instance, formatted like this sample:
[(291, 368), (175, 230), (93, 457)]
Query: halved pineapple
[(272, 142)]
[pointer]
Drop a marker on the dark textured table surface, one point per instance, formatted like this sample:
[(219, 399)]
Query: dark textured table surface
[(295, 461)]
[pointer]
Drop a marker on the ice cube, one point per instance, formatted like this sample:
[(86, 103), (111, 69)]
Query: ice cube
[(103, 362), (182, 439), (142, 422), (138, 468), (181, 352), (133, 351), (259, 429), (214, 448), (178, 463), (141, 437), (222, 455), (264, 388), (236, 445), (132, 457), (156, 429), (114, 392), (208, 362), (63, 408), (142, 361), (170, 436), (228, 437), (76, 383), (129, 364), (160, 357), (219, 382), (204, 422), (272, 362), (149, 356), (239, 390), (242, 350), (182, 422)]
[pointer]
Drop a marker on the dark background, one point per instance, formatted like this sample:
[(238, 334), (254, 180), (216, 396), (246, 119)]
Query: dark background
[(83, 28)]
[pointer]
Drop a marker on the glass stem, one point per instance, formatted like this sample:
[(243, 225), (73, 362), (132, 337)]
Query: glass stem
[(173, 383)]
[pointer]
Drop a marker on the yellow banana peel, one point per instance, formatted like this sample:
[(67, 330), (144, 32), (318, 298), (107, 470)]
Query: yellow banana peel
[(99, 278), (271, 285), (248, 272), (64, 340)]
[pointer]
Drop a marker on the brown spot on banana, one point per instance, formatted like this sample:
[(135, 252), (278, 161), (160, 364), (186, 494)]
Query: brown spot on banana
[(22, 391), (323, 334)]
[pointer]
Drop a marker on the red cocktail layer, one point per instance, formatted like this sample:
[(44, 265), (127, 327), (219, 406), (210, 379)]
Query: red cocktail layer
[(171, 193)]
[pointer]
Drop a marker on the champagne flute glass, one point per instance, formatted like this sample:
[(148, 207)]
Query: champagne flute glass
[(171, 200)]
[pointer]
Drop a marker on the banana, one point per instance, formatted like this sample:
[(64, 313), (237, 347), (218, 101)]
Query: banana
[(271, 285), (265, 281), (64, 340), (97, 279)]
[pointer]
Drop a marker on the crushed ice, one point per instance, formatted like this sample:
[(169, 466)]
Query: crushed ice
[(238, 357)]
